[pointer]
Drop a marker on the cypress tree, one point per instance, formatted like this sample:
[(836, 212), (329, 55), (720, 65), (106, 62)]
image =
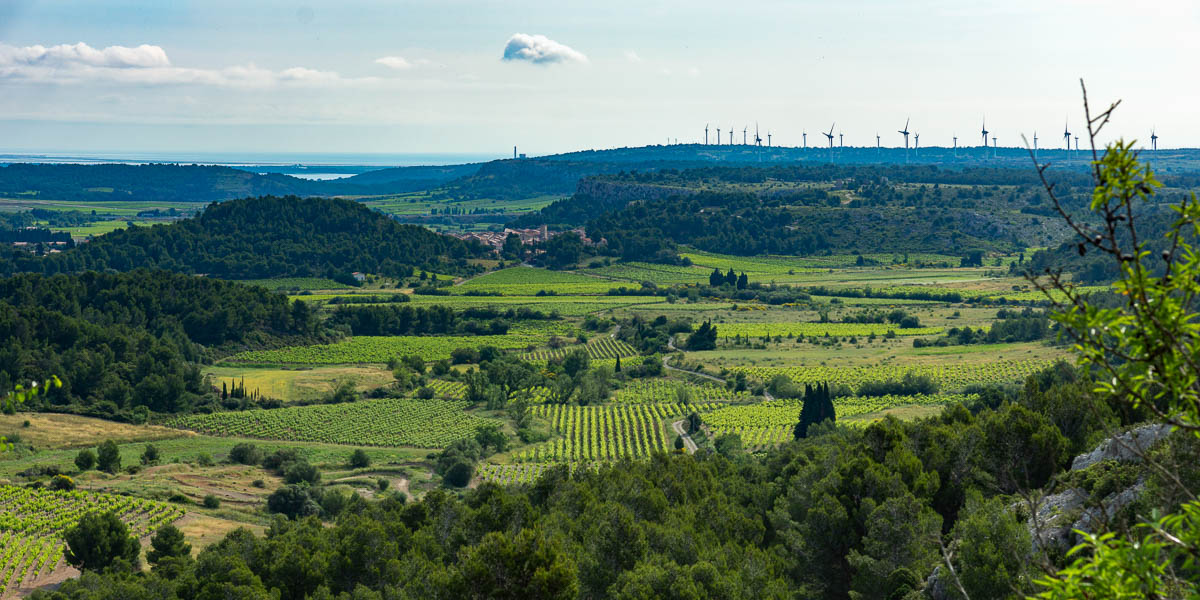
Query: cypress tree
[(716, 278), (731, 277), (742, 281)]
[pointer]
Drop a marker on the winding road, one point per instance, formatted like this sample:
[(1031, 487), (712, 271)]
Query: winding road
[(688, 444)]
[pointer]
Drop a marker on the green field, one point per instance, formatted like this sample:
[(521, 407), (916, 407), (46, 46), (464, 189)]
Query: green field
[(389, 422)]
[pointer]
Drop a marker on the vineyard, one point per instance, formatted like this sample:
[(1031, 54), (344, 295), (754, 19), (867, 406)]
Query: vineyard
[(769, 423), (379, 349), (600, 348), (386, 422), (948, 377), (32, 522), (650, 391), (592, 433), (660, 274), (758, 330), (527, 281)]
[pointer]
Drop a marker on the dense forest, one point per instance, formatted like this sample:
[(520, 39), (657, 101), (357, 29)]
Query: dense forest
[(266, 237), (124, 341), (746, 224), (842, 513)]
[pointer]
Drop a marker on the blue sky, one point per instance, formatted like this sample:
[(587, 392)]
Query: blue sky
[(394, 77)]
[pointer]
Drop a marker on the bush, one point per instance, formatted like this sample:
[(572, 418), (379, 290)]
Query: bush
[(211, 501), (179, 498), (100, 540), (293, 501), (459, 473), (382, 483), (359, 459), (246, 454), (301, 472), (150, 455), (425, 393), (62, 483), (258, 483), (204, 459), (281, 457), (108, 458), (85, 460)]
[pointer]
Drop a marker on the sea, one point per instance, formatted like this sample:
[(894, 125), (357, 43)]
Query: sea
[(305, 165)]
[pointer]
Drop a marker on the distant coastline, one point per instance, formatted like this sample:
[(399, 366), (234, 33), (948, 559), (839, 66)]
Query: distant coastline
[(303, 164)]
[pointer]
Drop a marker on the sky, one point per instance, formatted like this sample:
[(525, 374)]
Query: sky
[(452, 76)]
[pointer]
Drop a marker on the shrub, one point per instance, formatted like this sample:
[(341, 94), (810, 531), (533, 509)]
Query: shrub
[(85, 460), (211, 501), (246, 454), (382, 483), (301, 472), (425, 393), (179, 498), (281, 457), (108, 458), (150, 455), (258, 483), (293, 501), (62, 483), (204, 459), (359, 459)]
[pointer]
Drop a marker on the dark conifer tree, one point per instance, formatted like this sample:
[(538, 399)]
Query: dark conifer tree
[(742, 281), (731, 277), (716, 278)]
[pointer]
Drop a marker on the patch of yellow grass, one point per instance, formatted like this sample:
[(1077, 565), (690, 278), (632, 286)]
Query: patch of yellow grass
[(56, 431)]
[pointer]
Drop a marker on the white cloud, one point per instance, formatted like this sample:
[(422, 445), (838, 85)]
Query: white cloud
[(83, 55), (394, 62), (632, 56), (541, 50), (143, 65)]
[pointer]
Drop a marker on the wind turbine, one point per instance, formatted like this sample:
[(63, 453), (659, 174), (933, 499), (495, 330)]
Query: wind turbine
[(1035, 146), (877, 143), (905, 132), (706, 134), (744, 130), (730, 136), (718, 136), (1076, 144), (1067, 136), (758, 140), (841, 141), (993, 146), (916, 141), (1153, 140), (955, 146), (984, 131), (768, 139), (830, 136), (805, 135)]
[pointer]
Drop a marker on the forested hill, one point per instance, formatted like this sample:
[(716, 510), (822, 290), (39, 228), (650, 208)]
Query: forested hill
[(202, 183), (265, 237), (126, 340)]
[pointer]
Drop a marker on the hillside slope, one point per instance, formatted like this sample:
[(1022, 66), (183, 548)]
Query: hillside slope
[(265, 237)]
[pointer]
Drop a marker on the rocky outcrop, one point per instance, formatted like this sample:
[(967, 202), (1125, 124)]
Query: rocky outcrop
[(1124, 447)]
